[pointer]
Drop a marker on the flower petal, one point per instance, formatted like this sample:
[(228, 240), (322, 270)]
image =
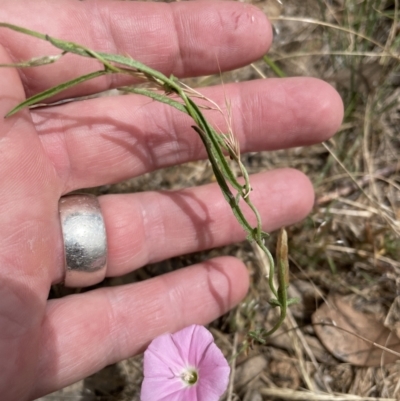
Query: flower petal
[(162, 358), (193, 342), (161, 389), (213, 382)]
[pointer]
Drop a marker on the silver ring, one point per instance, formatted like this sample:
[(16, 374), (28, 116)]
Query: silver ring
[(85, 241)]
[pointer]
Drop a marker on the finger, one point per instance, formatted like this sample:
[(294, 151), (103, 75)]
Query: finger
[(110, 139), (85, 332), (148, 227), (184, 38)]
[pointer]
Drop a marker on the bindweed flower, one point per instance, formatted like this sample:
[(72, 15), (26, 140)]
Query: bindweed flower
[(185, 366)]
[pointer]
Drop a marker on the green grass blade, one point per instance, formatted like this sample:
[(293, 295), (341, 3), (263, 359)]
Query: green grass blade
[(274, 67), (156, 96), (39, 97), (23, 30)]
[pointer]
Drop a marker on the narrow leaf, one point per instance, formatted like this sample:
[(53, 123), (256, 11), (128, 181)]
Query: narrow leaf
[(156, 96), (39, 97), (23, 30), (282, 258), (35, 62)]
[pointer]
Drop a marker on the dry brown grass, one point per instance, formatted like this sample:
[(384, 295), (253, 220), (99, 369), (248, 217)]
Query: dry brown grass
[(350, 243)]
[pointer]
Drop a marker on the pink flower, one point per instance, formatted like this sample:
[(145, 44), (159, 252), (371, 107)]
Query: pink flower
[(185, 366)]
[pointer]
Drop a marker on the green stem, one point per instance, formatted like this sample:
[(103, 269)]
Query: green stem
[(274, 67)]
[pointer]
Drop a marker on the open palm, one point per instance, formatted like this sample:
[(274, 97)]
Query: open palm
[(44, 154)]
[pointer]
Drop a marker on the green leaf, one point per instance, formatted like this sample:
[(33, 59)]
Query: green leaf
[(292, 301), (155, 96), (274, 302), (35, 62), (39, 97), (23, 30)]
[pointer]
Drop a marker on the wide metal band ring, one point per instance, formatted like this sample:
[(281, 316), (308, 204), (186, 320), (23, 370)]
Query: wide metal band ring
[(85, 241)]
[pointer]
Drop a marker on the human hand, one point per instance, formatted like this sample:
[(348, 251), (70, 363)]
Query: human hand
[(46, 345)]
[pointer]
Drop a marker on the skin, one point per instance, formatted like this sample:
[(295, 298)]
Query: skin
[(46, 345)]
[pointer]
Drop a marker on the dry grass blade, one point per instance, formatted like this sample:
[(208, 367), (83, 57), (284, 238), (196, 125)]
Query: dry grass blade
[(360, 183), (279, 57), (393, 222), (364, 254), (339, 28), (393, 29), (233, 368), (285, 394)]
